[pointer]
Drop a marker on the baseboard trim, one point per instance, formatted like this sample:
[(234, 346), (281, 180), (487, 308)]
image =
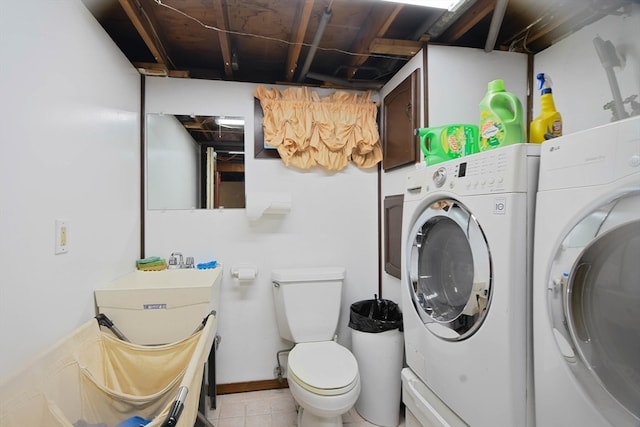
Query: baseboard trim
[(251, 386)]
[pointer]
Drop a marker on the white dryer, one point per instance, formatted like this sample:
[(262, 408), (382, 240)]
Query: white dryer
[(587, 279), (466, 284)]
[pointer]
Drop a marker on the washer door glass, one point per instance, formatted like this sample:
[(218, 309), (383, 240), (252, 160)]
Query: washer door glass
[(449, 270), (595, 306)]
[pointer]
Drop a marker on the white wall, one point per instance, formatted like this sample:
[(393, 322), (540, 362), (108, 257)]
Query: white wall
[(333, 221), (580, 84), (451, 72), (456, 71), (69, 150)]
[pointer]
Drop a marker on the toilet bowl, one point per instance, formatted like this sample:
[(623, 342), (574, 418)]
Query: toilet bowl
[(323, 375), (324, 380)]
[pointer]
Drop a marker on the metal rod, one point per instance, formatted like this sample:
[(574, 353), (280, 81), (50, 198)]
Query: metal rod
[(496, 23), (324, 20), (103, 320)]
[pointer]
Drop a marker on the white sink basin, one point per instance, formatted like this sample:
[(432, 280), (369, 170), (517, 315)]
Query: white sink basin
[(159, 307), (182, 277)]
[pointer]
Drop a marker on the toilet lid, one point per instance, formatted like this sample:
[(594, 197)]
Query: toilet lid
[(323, 367)]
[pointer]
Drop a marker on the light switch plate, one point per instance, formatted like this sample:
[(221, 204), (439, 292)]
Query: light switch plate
[(62, 236)]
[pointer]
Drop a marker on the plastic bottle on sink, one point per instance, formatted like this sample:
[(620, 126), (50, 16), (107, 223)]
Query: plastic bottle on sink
[(549, 123), (501, 118)]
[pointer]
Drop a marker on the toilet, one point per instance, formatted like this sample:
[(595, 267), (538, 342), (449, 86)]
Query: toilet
[(323, 375)]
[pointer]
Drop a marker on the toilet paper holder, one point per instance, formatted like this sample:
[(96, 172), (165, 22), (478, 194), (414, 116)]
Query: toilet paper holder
[(244, 272)]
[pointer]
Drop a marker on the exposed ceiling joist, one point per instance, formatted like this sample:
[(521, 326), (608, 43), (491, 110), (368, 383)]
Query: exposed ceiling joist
[(553, 23), (145, 27), (395, 47), (376, 28), (222, 19), (331, 81), (155, 69), (476, 13), (302, 22), (366, 43)]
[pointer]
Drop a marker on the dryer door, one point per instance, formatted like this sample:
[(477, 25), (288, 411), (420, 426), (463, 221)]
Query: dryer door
[(595, 306), (449, 270)]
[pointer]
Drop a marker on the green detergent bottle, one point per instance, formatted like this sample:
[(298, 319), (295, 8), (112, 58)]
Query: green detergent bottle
[(442, 143), (501, 118)]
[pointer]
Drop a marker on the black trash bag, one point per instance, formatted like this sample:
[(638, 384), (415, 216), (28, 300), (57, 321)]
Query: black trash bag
[(375, 315)]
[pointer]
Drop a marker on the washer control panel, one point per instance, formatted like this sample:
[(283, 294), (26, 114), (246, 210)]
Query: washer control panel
[(495, 171)]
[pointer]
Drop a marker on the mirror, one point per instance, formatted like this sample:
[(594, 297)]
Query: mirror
[(194, 161)]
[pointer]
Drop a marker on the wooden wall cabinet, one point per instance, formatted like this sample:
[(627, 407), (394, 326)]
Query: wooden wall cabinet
[(399, 122)]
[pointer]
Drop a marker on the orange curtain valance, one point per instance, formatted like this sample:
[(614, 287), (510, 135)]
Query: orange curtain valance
[(330, 131)]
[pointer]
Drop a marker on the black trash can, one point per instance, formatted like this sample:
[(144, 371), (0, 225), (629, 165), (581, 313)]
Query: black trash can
[(378, 346)]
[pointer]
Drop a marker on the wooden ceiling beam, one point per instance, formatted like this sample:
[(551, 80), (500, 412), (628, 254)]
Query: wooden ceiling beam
[(551, 19), (468, 20), (155, 69), (145, 27), (303, 15), (395, 47), (553, 23), (376, 28), (222, 20), (152, 68)]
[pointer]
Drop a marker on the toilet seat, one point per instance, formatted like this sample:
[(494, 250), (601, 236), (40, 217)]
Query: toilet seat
[(325, 368)]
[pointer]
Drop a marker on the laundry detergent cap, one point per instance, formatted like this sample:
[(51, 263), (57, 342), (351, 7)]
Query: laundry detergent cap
[(496, 85)]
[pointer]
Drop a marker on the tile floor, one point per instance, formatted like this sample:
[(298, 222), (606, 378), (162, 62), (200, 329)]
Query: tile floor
[(268, 408)]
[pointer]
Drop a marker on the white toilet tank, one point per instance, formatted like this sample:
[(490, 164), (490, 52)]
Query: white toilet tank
[(307, 302)]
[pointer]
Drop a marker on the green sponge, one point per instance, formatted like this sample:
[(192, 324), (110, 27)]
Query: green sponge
[(149, 260)]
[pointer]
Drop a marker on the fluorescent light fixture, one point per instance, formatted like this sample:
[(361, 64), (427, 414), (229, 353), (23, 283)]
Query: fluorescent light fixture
[(438, 4), (229, 121)]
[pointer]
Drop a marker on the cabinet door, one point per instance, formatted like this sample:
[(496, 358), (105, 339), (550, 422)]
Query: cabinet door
[(393, 233), (400, 119)]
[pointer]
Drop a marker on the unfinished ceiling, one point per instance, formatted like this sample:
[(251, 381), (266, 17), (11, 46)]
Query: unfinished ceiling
[(344, 43)]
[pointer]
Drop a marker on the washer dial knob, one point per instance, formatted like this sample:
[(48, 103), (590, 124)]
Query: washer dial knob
[(440, 177)]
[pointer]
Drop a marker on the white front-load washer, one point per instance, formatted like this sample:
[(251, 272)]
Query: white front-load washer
[(586, 289), (466, 281)]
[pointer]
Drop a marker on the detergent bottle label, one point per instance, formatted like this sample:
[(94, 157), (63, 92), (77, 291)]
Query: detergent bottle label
[(491, 132), (454, 139), (556, 128)]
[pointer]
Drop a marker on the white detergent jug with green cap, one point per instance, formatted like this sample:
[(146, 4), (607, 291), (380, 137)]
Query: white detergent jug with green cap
[(501, 118)]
